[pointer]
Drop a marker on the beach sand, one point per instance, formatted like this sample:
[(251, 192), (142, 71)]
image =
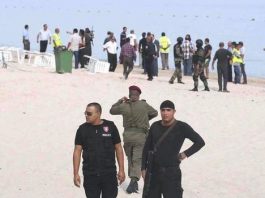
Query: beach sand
[(41, 110)]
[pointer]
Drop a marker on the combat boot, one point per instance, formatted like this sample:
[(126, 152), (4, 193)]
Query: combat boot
[(194, 89), (206, 89), (133, 186), (171, 82), (181, 82)]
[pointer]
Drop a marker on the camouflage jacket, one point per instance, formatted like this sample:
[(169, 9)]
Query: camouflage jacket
[(135, 114)]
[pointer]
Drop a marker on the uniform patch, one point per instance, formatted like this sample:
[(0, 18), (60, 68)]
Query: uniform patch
[(106, 129), (106, 135)]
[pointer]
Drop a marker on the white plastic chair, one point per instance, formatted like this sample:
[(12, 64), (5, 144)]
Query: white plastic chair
[(97, 66)]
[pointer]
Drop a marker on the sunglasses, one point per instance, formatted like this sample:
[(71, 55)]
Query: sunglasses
[(88, 113)]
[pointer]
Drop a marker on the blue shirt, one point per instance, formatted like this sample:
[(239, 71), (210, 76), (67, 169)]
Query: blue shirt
[(26, 34)]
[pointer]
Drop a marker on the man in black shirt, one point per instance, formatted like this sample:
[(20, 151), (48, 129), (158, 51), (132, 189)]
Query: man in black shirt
[(223, 56), (142, 50), (150, 55), (166, 174), (98, 140), (123, 36)]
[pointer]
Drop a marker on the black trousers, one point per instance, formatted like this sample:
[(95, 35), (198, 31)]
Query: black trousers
[(104, 185), (222, 72), (26, 44), (86, 51), (149, 67), (166, 182), (112, 59), (229, 73), (43, 45), (81, 58)]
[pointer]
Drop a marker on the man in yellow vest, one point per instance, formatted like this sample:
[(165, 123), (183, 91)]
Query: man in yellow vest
[(164, 50), (56, 38), (237, 60)]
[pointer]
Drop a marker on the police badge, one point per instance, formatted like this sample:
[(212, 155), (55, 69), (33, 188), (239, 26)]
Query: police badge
[(106, 129)]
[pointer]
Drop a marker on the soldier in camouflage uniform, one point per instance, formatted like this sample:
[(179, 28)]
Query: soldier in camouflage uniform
[(198, 60), (136, 115), (178, 57)]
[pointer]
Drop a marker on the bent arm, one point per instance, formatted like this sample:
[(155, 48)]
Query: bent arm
[(115, 109), (152, 113), (197, 140)]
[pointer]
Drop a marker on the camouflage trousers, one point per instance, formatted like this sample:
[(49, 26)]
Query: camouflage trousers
[(133, 151), (177, 73), (199, 72)]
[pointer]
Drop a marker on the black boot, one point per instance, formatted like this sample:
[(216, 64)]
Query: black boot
[(181, 82), (133, 186), (194, 89), (206, 89)]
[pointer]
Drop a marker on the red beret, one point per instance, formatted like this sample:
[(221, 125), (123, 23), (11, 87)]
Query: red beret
[(133, 87)]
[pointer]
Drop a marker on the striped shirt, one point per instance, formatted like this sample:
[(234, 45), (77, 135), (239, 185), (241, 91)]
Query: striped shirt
[(127, 50), (187, 48)]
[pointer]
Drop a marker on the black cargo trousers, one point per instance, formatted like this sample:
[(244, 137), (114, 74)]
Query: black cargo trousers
[(105, 185), (166, 182)]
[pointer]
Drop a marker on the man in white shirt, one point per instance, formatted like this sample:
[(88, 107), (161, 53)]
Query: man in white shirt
[(242, 65), (73, 45), (133, 39), (43, 36), (111, 47)]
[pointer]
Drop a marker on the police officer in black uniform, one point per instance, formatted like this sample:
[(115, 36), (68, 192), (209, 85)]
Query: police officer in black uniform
[(166, 174), (98, 140), (198, 60)]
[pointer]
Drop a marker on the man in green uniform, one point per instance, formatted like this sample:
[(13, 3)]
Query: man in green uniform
[(178, 57), (198, 60), (136, 115)]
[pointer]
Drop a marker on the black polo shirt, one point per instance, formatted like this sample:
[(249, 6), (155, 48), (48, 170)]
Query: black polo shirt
[(98, 144)]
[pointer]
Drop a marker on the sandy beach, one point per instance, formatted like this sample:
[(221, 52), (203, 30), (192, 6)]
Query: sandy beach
[(41, 110)]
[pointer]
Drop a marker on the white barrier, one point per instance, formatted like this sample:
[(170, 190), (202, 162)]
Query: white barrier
[(38, 59), (6, 55), (13, 54), (97, 66)]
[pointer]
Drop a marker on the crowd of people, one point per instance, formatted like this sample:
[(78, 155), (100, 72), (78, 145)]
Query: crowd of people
[(193, 58), (98, 140), (80, 42)]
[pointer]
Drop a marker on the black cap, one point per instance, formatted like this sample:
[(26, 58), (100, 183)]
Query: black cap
[(167, 104)]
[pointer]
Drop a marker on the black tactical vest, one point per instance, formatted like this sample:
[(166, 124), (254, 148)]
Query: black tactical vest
[(98, 149)]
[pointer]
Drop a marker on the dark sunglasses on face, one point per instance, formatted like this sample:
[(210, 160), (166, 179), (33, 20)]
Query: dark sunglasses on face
[(88, 113)]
